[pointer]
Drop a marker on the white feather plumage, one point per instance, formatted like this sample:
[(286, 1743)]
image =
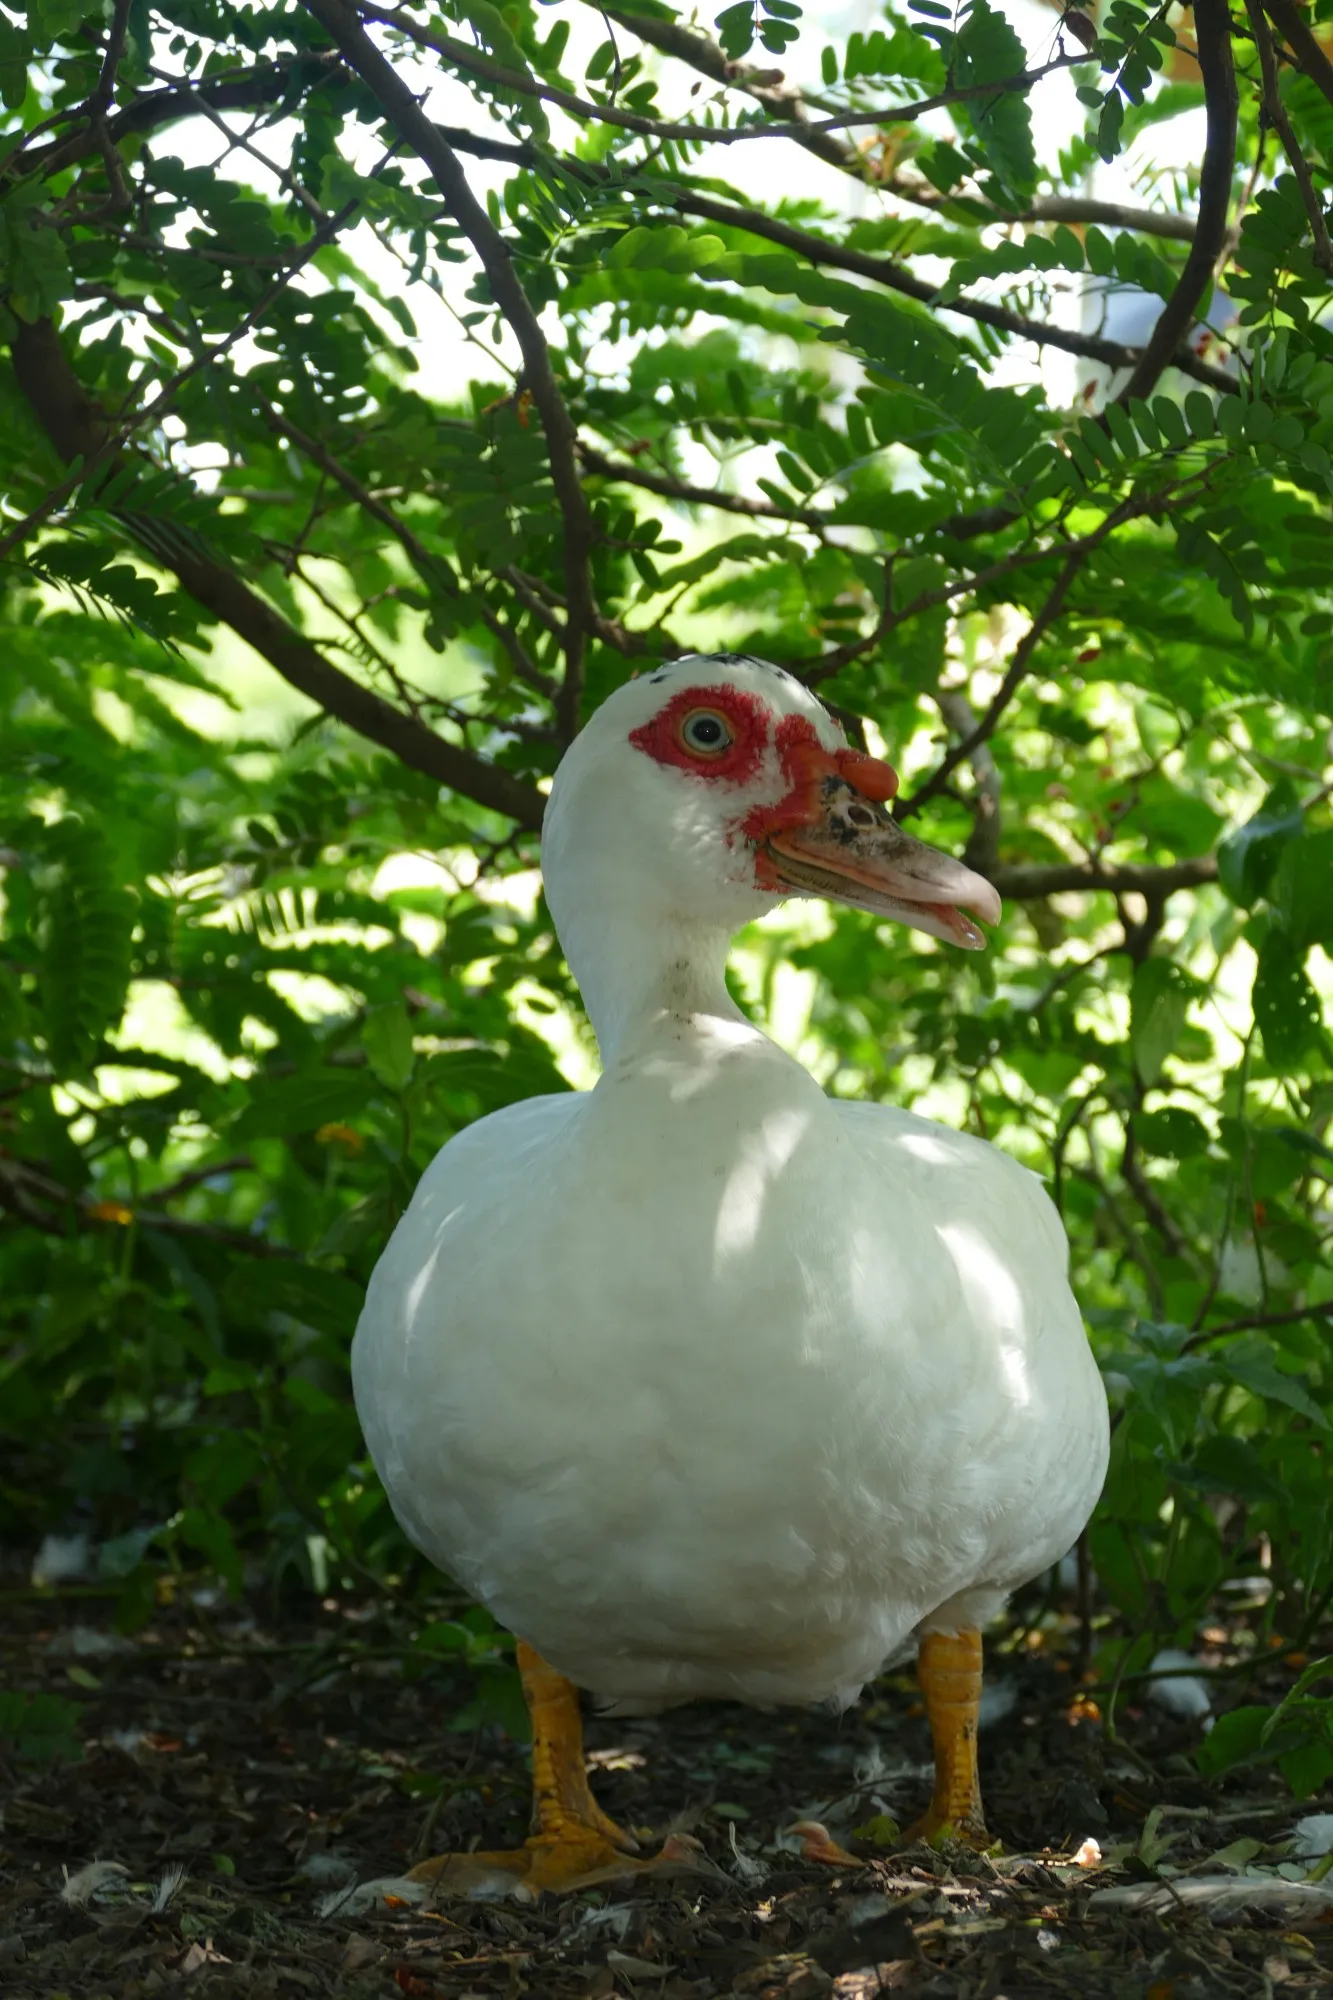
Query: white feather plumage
[(706, 1384)]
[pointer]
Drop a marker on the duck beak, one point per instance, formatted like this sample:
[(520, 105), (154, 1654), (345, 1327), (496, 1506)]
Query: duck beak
[(832, 836)]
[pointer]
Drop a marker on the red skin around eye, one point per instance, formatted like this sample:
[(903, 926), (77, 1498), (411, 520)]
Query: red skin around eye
[(804, 760), (747, 716)]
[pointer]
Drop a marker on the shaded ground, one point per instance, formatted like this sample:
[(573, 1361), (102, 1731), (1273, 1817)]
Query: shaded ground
[(242, 1771)]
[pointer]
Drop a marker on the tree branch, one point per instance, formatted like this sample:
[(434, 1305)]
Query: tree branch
[(1291, 1316), (885, 271), (766, 87), (1147, 1197), (1113, 214), (473, 62), (409, 120), (432, 568), (1307, 56), (1054, 208), (242, 90), (630, 474), (112, 442), (78, 431), (1014, 675), (982, 850), (1212, 33), (1274, 111), (1031, 882), (100, 101)]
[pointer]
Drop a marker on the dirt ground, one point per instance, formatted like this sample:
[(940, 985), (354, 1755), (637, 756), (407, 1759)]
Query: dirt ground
[(252, 1785)]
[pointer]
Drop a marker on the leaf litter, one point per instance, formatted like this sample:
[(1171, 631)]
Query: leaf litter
[(249, 1799)]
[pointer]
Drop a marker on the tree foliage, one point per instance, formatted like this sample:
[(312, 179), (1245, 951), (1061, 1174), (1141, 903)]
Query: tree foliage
[(1091, 623)]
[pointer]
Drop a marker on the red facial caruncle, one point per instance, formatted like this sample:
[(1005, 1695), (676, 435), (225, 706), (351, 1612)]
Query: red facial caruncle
[(723, 732), (806, 764)]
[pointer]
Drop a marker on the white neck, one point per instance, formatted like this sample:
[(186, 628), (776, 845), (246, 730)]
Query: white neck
[(638, 970)]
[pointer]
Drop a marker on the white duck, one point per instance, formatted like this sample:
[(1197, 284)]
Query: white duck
[(708, 1385)]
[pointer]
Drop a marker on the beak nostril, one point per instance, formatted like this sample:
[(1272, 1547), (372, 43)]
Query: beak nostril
[(860, 816)]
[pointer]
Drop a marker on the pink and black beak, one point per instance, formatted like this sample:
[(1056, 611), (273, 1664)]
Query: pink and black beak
[(832, 836)]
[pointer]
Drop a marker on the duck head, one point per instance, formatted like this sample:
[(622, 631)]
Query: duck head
[(716, 786)]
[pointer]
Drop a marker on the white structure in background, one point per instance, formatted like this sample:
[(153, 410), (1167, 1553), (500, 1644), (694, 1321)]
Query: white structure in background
[(1181, 1693), (1117, 311)]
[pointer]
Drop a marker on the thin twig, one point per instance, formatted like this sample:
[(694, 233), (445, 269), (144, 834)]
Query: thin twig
[(411, 122), (1008, 688), (475, 63), (983, 846), (768, 87), (1275, 112), (158, 405), (100, 101), (1256, 1323), (1307, 56), (887, 272), (239, 1163), (282, 175), (1111, 214), (1212, 33), (632, 474), (76, 429), (432, 568), (230, 90)]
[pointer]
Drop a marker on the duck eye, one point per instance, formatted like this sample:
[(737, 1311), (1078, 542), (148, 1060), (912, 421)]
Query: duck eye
[(705, 733)]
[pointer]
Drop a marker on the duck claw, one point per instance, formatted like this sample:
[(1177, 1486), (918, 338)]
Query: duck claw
[(818, 1844)]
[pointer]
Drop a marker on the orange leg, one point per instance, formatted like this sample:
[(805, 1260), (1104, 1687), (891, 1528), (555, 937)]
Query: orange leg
[(573, 1843), (949, 1669)]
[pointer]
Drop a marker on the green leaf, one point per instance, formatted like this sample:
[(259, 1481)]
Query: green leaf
[(1251, 1364), (40, 1728), (58, 20), (1159, 1001), (386, 1037), (1170, 422), (1301, 890), (121, 1556), (987, 50), (291, 1104), (1123, 432), (34, 265), (1109, 124), (85, 925), (1100, 252), (1067, 247), (1235, 1739), (306, 1292), (1247, 858), (220, 1468), (1172, 1133), (735, 26), (1227, 1464), (14, 55), (1287, 1009), (1307, 1767), (208, 1532), (1200, 414), (1230, 416), (1146, 424)]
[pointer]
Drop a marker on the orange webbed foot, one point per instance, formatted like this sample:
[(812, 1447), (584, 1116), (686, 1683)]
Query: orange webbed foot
[(574, 1844), (548, 1864)]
